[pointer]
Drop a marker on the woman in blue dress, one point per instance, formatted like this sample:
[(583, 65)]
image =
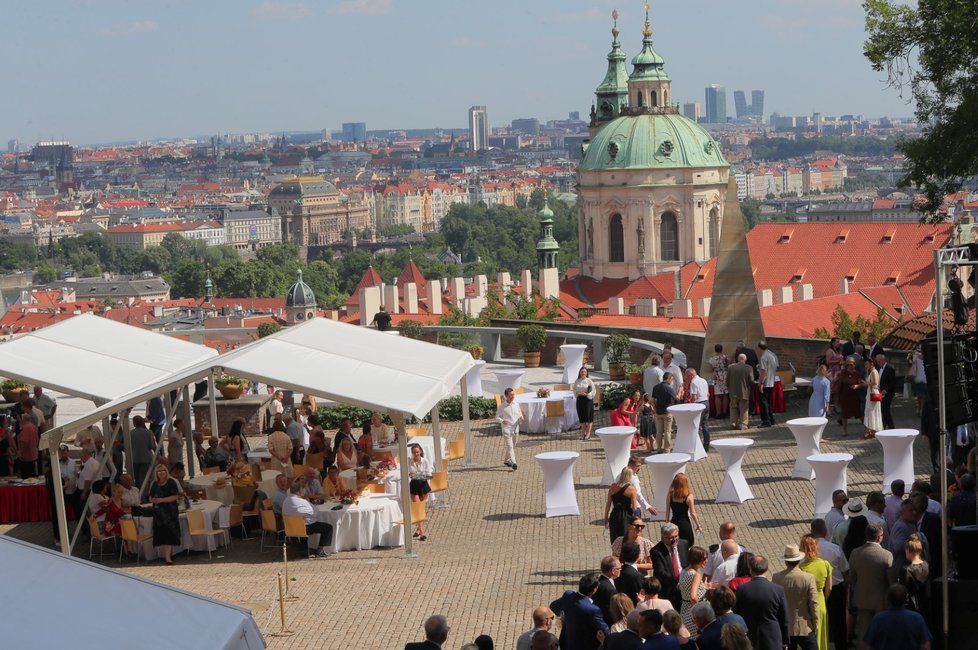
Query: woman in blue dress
[(820, 401)]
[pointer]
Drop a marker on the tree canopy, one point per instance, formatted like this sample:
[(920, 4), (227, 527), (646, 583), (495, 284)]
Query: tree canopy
[(932, 52)]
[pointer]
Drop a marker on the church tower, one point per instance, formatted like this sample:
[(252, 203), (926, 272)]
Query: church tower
[(611, 96), (548, 250), (300, 302)]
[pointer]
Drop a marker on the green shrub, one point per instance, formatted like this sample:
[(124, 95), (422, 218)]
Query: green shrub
[(614, 392), (532, 338), (480, 408), (267, 329), (411, 329), (449, 409), (618, 346), (228, 380), (13, 384), (330, 417)]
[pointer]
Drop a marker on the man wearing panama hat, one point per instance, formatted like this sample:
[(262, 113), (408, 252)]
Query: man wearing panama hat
[(852, 509), (801, 593)]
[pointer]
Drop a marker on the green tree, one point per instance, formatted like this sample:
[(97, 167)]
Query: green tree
[(44, 273), (843, 325), (751, 209), (267, 329), (942, 35), (187, 279)]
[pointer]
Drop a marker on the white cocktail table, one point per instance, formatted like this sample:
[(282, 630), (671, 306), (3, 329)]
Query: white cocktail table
[(830, 475), (897, 455), (573, 360), (617, 443), (664, 468), (734, 488), (687, 417), (509, 379), (473, 379), (808, 436), (558, 482)]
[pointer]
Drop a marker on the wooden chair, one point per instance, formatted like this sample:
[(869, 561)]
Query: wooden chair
[(416, 431), (256, 471), (97, 536), (298, 470), (265, 464), (295, 526), (419, 514), (562, 386), (456, 449), (130, 533), (519, 391), (236, 518), (439, 484), (243, 494), (554, 410), (268, 525), (315, 461), (499, 400), (380, 455), (195, 522), (373, 488), (267, 504), (211, 470)]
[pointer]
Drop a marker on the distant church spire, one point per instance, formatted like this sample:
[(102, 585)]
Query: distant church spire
[(611, 96)]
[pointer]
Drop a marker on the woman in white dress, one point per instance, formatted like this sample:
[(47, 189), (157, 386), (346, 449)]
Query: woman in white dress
[(873, 414)]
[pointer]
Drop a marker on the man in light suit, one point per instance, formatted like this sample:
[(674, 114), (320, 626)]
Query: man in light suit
[(763, 605), (669, 553), (801, 594), (869, 579), (584, 627), (435, 632), (887, 387)]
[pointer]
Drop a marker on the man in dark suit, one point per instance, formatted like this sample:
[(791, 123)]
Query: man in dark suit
[(629, 638), (610, 568), (584, 627), (629, 581), (668, 560), (435, 633), (650, 627), (763, 605), (849, 348), (873, 348), (887, 387)]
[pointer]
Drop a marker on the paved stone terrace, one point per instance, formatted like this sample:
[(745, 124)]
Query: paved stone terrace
[(492, 557)]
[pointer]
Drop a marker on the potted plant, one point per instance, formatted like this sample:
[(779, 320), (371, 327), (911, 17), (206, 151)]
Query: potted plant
[(532, 338), (634, 373), (476, 351), (618, 346), (11, 389), (231, 387)]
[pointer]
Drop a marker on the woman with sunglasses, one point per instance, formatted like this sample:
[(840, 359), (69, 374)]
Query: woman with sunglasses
[(633, 533)]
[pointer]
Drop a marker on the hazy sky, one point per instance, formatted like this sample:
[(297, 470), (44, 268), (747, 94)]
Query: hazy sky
[(106, 70)]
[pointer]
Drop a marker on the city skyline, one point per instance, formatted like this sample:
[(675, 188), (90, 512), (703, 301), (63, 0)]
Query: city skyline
[(105, 70)]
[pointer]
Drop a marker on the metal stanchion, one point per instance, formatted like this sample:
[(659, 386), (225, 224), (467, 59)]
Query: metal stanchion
[(281, 610), (288, 580)]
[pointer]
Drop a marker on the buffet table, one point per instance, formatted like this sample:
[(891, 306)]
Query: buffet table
[(372, 522), (535, 412), (24, 502)]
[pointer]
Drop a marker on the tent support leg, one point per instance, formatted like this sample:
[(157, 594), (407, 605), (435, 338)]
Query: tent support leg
[(188, 392), (398, 419), (440, 462), (59, 494), (466, 423)]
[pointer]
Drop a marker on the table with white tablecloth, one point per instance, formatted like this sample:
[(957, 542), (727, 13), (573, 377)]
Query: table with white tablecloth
[(535, 412), (225, 493), (558, 483), (372, 522), (427, 446), (215, 516), (391, 481)]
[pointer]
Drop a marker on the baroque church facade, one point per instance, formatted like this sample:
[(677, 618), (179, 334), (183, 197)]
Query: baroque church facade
[(651, 182)]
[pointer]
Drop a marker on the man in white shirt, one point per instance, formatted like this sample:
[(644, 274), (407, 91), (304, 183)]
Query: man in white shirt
[(543, 619), (835, 605), (509, 415), (699, 393), (727, 569), (669, 365), (88, 474), (130, 493), (769, 368), (728, 530), (635, 464), (835, 516), (69, 478), (652, 376), (296, 505), (47, 405)]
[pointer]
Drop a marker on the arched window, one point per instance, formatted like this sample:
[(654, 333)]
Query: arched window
[(669, 237), (639, 97), (655, 99), (616, 239), (714, 232)]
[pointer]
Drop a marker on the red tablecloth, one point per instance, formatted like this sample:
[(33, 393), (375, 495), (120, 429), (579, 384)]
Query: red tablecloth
[(777, 400), (19, 503)]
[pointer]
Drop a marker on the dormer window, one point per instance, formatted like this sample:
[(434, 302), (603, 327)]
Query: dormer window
[(888, 237), (785, 237), (930, 238), (851, 275), (799, 275), (892, 278), (842, 237)]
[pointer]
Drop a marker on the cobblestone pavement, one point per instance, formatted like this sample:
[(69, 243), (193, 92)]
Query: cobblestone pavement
[(492, 556)]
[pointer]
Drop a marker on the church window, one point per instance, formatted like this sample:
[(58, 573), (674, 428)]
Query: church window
[(616, 239), (640, 98), (669, 237), (655, 99)]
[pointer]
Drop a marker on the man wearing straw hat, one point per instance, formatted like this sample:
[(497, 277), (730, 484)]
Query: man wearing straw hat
[(801, 593)]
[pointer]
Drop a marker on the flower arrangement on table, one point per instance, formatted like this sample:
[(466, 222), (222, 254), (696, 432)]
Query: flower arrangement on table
[(543, 392), (239, 473), (349, 498), (387, 464)]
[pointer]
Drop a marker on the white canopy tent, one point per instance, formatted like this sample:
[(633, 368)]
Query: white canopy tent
[(146, 614), (336, 361)]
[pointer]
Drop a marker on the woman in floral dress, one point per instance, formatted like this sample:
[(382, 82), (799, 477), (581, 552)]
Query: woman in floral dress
[(719, 363)]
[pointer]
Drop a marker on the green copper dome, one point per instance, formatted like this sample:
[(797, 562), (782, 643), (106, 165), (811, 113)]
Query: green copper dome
[(657, 140)]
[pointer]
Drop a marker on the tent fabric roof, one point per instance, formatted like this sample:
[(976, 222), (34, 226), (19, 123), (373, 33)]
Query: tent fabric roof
[(69, 584), (97, 358)]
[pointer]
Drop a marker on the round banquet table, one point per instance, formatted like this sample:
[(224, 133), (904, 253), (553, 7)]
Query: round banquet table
[(20, 503), (897, 455), (391, 481), (535, 412), (473, 379), (617, 443), (808, 437), (734, 488), (256, 455), (225, 493), (830, 475), (664, 468), (573, 361), (509, 379), (372, 522), (216, 516), (427, 446), (687, 417), (558, 482)]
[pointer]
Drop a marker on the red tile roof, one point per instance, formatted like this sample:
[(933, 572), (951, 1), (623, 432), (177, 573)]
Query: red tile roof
[(370, 278)]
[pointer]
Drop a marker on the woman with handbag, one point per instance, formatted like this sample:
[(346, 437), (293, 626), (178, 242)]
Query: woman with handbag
[(873, 414)]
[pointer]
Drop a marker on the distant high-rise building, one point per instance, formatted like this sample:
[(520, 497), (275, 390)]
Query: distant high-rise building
[(574, 116), (528, 125), (13, 146), (354, 131), (52, 153), (745, 110), (740, 104), (692, 110), (716, 104), (327, 134), (478, 128), (757, 102)]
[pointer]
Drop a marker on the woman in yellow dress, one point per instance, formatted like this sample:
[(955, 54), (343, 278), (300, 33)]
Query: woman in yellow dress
[(822, 571)]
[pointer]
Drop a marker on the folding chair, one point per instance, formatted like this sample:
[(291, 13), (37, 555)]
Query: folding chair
[(439, 484), (268, 525), (416, 431), (295, 526), (130, 533), (195, 522), (97, 536), (211, 470), (554, 412), (236, 518), (562, 386)]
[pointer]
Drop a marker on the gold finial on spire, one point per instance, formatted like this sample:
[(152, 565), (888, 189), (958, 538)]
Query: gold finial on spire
[(614, 28), (647, 32)]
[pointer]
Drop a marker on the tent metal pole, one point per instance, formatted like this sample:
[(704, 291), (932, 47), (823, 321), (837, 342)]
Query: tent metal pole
[(466, 423), (398, 419), (188, 392), (127, 441), (212, 402), (436, 434), (942, 436), (107, 451), (59, 494)]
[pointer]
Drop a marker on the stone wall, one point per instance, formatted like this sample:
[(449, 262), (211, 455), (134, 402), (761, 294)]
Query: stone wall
[(249, 407)]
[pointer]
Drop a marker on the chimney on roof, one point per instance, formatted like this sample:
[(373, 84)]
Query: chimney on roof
[(805, 292), (616, 306), (505, 284), (682, 309), (645, 307), (411, 297), (703, 306), (764, 298), (526, 283), (844, 285), (677, 285), (783, 295)]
